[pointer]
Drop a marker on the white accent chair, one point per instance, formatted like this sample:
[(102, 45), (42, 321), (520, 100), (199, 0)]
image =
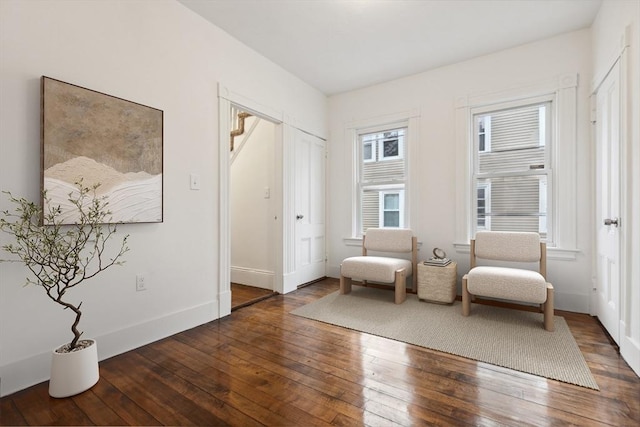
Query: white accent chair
[(384, 269), (509, 283)]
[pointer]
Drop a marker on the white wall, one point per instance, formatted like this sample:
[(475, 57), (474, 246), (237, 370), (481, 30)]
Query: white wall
[(608, 30), (252, 213), (157, 53), (433, 95)]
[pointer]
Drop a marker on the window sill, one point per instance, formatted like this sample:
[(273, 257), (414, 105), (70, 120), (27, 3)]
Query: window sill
[(552, 253)]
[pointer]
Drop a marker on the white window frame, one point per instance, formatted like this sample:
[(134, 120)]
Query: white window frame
[(386, 184), (487, 136), (563, 189), (409, 119), (487, 206), (545, 140), (373, 152), (544, 201), (383, 158), (382, 210), (377, 150)]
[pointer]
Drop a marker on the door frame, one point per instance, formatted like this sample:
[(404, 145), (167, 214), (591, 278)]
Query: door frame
[(629, 348), (625, 206), (227, 98), (607, 172)]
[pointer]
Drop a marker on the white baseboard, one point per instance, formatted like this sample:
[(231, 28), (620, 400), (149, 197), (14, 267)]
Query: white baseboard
[(576, 303), (289, 283), (630, 350), (333, 271), (253, 277), (33, 370), (225, 303), (24, 373)]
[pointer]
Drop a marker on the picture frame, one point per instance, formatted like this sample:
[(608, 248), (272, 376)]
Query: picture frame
[(93, 138)]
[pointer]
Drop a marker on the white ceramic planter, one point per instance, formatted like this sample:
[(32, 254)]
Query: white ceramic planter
[(75, 372)]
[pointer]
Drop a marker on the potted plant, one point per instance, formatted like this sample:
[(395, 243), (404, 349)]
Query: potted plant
[(59, 258)]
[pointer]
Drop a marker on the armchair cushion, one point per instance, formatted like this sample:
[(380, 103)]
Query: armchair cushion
[(377, 269), (388, 239), (508, 246), (507, 283)]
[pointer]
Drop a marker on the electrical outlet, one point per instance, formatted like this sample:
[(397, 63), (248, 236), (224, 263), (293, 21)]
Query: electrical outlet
[(141, 284)]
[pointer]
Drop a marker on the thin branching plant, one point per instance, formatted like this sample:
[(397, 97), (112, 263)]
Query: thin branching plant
[(62, 256)]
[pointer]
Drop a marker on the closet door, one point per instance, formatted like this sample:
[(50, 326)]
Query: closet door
[(608, 220), (309, 207)]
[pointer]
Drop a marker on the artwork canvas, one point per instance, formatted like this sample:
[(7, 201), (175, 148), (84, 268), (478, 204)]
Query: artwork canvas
[(101, 139)]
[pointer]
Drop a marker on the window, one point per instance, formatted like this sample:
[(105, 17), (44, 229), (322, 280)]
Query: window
[(484, 134), (391, 148), (511, 168), (505, 175), (390, 212), (368, 151), (484, 204), (381, 178)]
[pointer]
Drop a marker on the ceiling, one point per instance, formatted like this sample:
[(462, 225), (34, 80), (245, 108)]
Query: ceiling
[(341, 45)]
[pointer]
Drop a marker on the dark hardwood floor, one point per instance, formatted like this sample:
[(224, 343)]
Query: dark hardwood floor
[(242, 295), (263, 366)]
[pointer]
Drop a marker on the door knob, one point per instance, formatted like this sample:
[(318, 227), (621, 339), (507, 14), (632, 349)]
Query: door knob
[(299, 216), (613, 222)]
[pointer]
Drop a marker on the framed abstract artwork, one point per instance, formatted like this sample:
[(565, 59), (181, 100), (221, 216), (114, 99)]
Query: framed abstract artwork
[(94, 138)]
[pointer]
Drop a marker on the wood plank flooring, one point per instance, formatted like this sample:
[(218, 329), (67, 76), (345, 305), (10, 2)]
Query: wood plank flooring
[(263, 366), (242, 295)]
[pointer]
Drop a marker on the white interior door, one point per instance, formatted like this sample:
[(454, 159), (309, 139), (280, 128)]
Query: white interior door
[(608, 202), (310, 207)]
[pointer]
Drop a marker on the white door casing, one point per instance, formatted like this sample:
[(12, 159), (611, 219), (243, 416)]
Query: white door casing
[(310, 244), (608, 221), (227, 98)]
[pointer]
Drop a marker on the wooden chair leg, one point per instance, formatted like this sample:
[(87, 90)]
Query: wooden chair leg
[(548, 309), (345, 284), (401, 286), (466, 297)]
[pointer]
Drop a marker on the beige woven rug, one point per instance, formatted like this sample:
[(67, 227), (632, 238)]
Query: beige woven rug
[(510, 338)]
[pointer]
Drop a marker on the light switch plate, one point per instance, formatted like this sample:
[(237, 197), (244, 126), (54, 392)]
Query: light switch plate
[(194, 181)]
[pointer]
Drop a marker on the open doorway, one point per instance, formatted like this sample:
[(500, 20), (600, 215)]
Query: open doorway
[(228, 99), (296, 201), (253, 194)]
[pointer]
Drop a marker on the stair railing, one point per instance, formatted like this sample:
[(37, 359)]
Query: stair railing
[(237, 124)]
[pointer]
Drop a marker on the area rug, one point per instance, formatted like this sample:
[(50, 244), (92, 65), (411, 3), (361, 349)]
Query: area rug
[(509, 338)]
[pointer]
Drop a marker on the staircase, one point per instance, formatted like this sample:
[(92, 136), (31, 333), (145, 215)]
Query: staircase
[(237, 124)]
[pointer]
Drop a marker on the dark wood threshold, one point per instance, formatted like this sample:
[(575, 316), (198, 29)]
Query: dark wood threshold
[(245, 295), (253, 301), (304, 285)]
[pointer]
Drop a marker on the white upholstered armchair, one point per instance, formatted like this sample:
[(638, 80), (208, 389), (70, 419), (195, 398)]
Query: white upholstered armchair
[(384, 269), (509, 283)]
